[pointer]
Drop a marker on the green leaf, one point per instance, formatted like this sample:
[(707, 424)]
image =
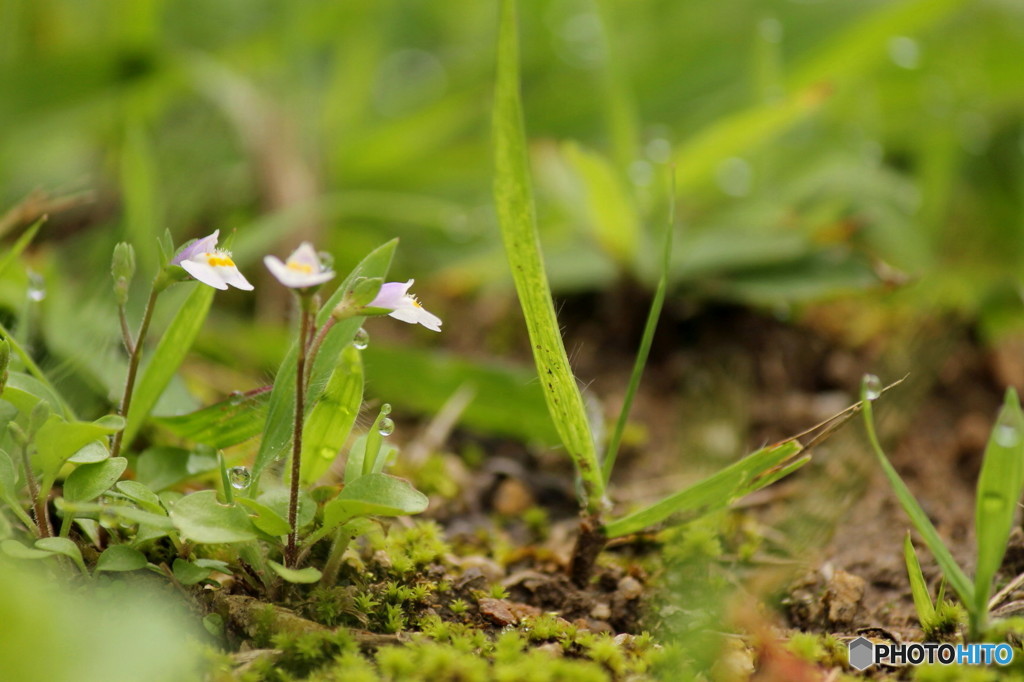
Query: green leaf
[(16, 550), (956, 577), (751, 473), (513, 197), (277, 501), (301, 576), (161, 467), (122, 513), (918, 586), (24, 391), (95, 451), (266, 519), (330, 421), (611, 214), (169, 353), (57, 440), (89, 481), (999, 491), (222, 424), (62, 546), (202, 519), (370, 495), (121, 558), (277, 432), (141, 495), (187, 573)]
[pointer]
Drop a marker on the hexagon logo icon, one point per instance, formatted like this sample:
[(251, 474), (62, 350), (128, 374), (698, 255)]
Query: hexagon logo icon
[(862, 653)]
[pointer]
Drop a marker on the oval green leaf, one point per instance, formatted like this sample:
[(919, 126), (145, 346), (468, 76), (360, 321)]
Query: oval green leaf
[(89, 481), (301, 575), (201, 518), (121, 558)]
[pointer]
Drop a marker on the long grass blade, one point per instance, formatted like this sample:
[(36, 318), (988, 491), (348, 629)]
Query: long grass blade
[(956, 577), (513, 197), (612, 452), (999, 490)]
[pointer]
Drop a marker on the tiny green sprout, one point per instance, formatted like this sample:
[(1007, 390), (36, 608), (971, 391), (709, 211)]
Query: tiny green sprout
[(394, 620), (459, 607), (498, 591), (366, 602)]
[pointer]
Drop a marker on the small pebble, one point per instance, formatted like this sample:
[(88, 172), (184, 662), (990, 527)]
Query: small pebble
[(630, 588)]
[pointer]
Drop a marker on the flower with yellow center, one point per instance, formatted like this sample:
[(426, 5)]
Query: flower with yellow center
[(395, 296), (302, 270), (211, 266)]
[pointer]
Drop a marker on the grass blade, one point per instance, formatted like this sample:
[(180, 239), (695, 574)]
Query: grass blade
[(513, 197), (277, 431), (20, 245), (999, 490), (168, 356), (645, 346), (918, 586), (956, 577), (751, 473)]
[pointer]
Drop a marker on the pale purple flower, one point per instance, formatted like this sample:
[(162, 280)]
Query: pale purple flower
[(209, 265), (302, 269), (395, 296)]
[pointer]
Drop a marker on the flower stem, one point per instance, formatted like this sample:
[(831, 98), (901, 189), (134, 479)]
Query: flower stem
[(305, 323), (39, 508), (314, 347), (133, 364)]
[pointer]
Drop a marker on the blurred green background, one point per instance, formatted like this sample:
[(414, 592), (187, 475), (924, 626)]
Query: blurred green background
[(823, 149)]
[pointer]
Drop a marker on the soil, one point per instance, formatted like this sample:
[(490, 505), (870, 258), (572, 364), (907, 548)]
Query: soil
[(723, 380)]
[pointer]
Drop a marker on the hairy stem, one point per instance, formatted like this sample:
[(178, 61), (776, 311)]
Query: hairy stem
[(133, 366), (38, 502), (305, 322)]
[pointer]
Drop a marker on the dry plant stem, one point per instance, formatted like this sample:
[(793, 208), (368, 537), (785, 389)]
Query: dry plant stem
[(305, 321), (133, 365), (39, 504), (589, 544)]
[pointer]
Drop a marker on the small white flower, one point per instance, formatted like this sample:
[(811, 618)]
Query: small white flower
[(213, 267), (395, 296), (302, 269)]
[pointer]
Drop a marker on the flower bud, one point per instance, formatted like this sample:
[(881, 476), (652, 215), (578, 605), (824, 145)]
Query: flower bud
[(122, 268)]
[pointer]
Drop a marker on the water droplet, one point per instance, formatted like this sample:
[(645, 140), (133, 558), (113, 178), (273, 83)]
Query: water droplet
[(904, 52), (326, 260), (872, 387), (36, 287), (239, 477), (236, 398), (735, 176), (386, 426), (361, 340), (1006, 435), (385, 409), (327, 453)]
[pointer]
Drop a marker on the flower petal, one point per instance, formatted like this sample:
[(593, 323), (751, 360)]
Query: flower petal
[(205, 273), (207, 244), (417, 315), (299, 273), (391, 294)]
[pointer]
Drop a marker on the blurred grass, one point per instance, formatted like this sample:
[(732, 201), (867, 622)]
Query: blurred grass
[(817, 145)]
